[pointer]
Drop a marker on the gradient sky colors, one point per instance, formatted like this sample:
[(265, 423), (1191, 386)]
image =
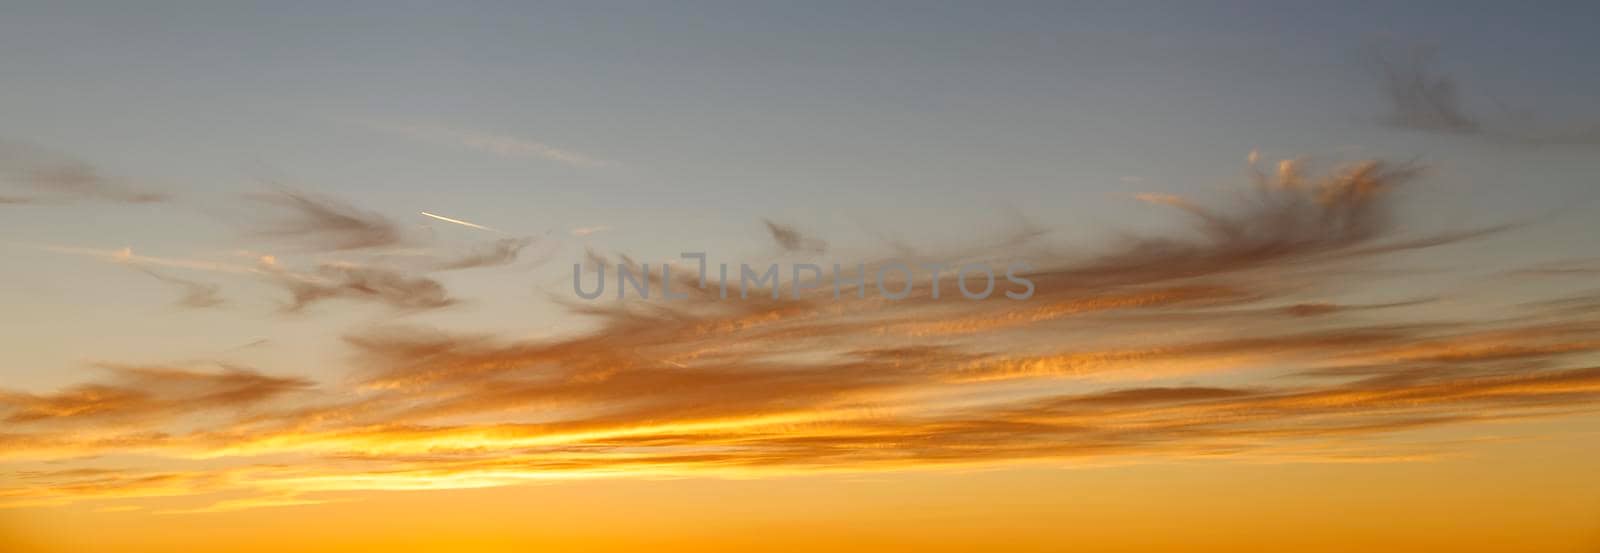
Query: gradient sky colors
[(297, 277)]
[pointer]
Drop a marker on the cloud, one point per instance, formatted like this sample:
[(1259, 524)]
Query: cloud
[(196, 295), (1289, 220), (361, 283), (146, 395), (791, 240), (1563, 268), (325, 224), (500, 252), (1420, 98), (127, 255), (55, 178), (500, 145), (1246, 336)]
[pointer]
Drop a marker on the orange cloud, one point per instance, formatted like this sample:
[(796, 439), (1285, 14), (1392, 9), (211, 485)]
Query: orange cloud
[(1228, 341)]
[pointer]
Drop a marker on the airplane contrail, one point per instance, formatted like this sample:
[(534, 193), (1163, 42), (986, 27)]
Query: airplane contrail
[(459, 222), (126, 255)]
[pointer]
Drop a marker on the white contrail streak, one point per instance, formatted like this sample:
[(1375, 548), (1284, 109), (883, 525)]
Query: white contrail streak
[(459, 222), (126, 255)]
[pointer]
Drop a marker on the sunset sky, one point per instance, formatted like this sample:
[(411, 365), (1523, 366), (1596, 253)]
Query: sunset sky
[(299, 277)]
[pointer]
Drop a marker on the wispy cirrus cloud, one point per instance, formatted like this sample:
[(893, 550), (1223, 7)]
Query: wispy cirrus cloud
[(136, 395), (52, 177), (128, 256), (496, 144), (1419, 96), (320, 226), (381, 285), (1232, 339), (196, 295), (494, 254), (1423, 97), (792, 240), (330, 280), (318, 223)]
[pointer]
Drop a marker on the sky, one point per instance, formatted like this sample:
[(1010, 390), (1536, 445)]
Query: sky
[(295, 276)]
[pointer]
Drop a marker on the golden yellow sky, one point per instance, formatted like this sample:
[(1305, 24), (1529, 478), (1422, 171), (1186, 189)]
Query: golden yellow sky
[(1492, 497)]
